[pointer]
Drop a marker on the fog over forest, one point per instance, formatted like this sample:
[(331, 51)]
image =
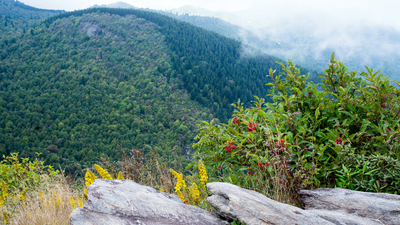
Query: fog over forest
[(309, 37)]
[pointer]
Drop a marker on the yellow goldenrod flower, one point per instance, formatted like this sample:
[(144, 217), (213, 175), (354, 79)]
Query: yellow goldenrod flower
[(1, 202), (23, 194), (194, 191), (89, 177), (5, 217), (4, 189), (202, 173), (120, 176), (103, 173), (41, 196), (162, 189), (180, 195), (72, 202), (80, 203), (180, 183)]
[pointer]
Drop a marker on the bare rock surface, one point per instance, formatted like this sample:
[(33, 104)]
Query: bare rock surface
[(126, 202), (91, 28), (381, 207), (253, 208)]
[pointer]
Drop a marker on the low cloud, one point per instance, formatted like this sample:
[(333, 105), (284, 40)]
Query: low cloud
[(309, 39)]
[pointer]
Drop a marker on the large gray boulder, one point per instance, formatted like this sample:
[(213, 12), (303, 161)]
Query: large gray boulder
[(253, 208), (381, 207), (126, 202)]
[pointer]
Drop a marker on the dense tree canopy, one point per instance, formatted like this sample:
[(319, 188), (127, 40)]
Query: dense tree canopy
[(74, 97), (214, 69)]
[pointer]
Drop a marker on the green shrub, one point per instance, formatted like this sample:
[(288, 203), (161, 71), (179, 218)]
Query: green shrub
[(18, 178), (18, 174), (303, 139), (382, 175)]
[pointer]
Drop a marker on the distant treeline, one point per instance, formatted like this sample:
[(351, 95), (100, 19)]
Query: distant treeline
[(27, 7)]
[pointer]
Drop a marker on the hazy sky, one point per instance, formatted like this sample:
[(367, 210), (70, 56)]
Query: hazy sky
[(380, 12)]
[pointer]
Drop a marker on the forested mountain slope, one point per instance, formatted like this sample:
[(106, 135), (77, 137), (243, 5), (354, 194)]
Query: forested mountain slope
[(249, 40), (84, 81), (17, 18), (214, 69), (74, 97)]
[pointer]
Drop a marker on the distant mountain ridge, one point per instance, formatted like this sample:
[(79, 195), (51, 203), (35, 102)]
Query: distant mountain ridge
[(194, 11), (123, 5), (17, 18)]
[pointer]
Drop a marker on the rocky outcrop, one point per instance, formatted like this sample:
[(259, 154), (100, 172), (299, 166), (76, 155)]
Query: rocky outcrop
[(92, 28), (253, 208), (381, 207), (126, 202)]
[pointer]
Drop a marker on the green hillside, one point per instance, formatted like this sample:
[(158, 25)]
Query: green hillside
[(17, 18), (214, 69), (74, 97), (85, 81)]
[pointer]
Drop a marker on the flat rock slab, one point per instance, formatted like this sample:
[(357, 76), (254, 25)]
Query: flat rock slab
[(381, 207), (253, 208), (126, 202)]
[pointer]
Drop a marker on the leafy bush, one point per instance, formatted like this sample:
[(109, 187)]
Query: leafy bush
[(18, 179), (304, 138), (383, 175), (19, 174)]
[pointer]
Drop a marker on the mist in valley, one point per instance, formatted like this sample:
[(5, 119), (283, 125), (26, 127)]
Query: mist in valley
[(308, 32)]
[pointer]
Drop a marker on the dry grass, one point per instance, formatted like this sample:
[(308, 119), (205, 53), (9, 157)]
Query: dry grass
[(53, 207), (143, 170), (263, 183)]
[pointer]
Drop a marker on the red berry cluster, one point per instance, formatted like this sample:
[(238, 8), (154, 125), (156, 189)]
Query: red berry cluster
[(250, 172), (229, 147), (235, 120), (280, 143), (252, 126), (339, 141), (263, 165)]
